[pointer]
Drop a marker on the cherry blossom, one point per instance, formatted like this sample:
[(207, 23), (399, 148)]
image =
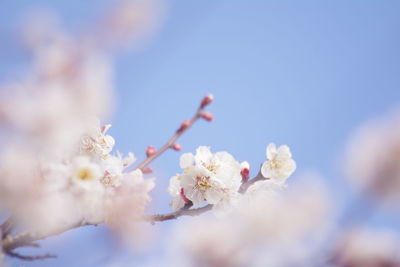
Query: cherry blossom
[(207, 177), (279, 165)]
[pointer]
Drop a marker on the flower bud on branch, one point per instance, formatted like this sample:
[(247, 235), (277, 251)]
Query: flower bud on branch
[(150, 151), (176, 147), (206, 100)]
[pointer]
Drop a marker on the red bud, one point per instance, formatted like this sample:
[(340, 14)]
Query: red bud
[(206, 100), (185, 124), (207, 116), (147, 170), (176, 147), (150, 150), (245, 174)]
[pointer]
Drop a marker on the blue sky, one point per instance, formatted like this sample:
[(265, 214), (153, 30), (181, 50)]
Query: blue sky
[(303, 73)]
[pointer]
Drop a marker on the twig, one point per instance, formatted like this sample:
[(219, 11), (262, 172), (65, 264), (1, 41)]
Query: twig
[(243, 188), (186, 211), (183, 128), (29, 239), (176, 214), (30, 258)]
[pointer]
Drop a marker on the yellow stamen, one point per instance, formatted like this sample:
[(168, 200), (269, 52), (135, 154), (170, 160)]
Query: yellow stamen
[(85, 174)]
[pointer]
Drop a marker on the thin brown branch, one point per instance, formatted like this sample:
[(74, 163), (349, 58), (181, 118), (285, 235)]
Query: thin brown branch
[(182, 129), (30, 258), (186, 211), (250, 182), (28, 239), (176, 214)]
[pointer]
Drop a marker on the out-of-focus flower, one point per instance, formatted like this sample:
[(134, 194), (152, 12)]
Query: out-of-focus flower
[(279, 165), (125, 207), (373, 157), (217, 244), (114, 167), (207, 177), (277, 229), (84, 172), (128, 22), (368, 248)]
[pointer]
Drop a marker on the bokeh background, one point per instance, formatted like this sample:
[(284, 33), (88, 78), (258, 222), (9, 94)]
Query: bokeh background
[(302, 73)]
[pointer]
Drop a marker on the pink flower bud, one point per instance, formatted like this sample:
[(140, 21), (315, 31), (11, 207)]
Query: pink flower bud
[(150, 151), (185, 124), (147, 170), (176, 147), (206, 100), (207, 116)]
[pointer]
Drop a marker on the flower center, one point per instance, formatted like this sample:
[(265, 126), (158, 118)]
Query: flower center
[(203, 183), (211, 167), (85, 174), (275, 164)]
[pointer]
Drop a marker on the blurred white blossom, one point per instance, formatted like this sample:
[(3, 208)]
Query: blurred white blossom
[(373, 157), (368, 247), (268, 229)]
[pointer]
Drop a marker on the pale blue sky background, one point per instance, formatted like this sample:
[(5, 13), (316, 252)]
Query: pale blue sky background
[(304, 73)]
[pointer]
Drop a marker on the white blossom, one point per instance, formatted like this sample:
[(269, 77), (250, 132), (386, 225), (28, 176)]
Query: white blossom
[(84, 172), (279, 165), (207, 178), (97, 141), (114, 167)]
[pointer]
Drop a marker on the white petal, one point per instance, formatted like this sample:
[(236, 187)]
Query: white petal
[(226, 204), (174, 187), (186, 160), (177, 203), (196, 197), (271, 151), (289, 167), (203, 154), (245, 165), (225, 157), (213, 195), (137, 175), (129, 159), (266, 170), (109, 140), (284, 152)]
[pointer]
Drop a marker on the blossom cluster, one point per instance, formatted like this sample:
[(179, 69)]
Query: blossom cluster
[(216, 179)]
